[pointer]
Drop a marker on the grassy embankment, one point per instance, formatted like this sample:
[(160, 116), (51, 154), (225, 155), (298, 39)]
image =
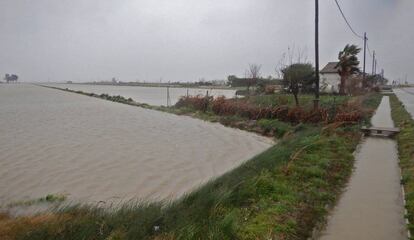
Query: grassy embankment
[(244, 113), (405, 139), (163, 85), (280, 194)]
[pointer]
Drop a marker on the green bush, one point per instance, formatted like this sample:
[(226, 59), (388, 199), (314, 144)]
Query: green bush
[(274, 126)]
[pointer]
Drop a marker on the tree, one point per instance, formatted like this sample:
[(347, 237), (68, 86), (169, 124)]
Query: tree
[(231, 79), (11, 78), (297, 75), (347, 65), (293, 55), (253, 74)]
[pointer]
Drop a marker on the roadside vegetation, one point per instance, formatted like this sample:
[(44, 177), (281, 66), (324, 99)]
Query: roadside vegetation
[(259, 113), (282, 193), (269, 115), (405, 138)]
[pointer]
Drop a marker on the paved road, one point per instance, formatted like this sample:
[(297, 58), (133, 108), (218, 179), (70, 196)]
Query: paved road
[(406, 95)]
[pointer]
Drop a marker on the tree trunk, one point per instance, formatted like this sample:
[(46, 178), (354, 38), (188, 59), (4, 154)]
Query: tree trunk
[(342, 85), (296, 99)]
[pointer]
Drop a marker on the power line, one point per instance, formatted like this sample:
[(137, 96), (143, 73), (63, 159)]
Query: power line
[(346, 20), (375, 63), (369, 50)]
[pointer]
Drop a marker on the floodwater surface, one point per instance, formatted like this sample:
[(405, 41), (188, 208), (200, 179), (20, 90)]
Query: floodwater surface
[(372, 205), (56, 142), (156, 96)]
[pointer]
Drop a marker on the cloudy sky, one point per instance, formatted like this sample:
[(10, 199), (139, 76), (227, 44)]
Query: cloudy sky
[(185, 40)]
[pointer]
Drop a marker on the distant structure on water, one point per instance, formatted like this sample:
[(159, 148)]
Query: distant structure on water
[(11, 78)]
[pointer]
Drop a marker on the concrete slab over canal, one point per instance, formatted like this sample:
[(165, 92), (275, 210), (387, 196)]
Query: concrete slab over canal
[(372, 205)]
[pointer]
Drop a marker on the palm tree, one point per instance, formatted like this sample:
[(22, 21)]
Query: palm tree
[(348, 64)]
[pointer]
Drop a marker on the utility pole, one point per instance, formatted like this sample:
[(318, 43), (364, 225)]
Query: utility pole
[(168, 95), (375, 67), (373, 63), (316, 101), (365, 56)]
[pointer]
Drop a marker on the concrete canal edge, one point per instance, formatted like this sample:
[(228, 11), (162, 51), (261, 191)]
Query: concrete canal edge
[(354, 208)]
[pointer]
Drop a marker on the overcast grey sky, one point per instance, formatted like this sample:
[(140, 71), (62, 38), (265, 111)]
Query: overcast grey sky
[(184, 40)]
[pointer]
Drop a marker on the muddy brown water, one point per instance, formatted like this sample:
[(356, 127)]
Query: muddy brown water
[(156, 96), (372, 205), (55, 142)]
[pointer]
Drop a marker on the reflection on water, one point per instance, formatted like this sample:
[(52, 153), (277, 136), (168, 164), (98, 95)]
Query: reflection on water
[(155, 96), (58, 142)]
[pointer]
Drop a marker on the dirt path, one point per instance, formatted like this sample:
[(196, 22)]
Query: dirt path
[(372, 205)]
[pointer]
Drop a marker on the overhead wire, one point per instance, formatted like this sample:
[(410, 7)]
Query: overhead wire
[(352, 29), (369, 50), (346, 20)]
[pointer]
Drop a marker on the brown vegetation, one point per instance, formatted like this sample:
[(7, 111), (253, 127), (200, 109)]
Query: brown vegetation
[(346, 112)]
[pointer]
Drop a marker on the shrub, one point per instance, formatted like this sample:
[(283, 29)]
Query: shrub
[(349, 112), (199, 102), (348, 117), (295, 115), (346, 112), (275, 127), (316, 116), (269, 89)]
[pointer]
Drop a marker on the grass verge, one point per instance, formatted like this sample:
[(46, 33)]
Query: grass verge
[(278, 120), (280, 194), (272, 129), (405, 139)]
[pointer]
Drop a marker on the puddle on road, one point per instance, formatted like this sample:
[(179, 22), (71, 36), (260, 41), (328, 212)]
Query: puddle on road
[(372, 205)]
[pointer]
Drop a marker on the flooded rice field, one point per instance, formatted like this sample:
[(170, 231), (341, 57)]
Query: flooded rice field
[(372, 205), (156, 96), (406, 95), (93, 150)]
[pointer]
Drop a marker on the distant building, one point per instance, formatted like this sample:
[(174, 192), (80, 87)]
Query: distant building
[(330, 79)]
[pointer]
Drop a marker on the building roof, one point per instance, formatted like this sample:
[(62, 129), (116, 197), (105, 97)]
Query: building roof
[(330, 68)]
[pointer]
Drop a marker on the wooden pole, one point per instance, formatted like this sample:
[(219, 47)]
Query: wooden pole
[(316, 101), (365, 56), (168, 96), (373, 63)]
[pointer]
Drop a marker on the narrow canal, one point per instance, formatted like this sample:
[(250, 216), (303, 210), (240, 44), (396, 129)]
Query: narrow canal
[(372, 205)]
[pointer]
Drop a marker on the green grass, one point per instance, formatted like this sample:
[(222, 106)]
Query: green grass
[(280, 194), (274, 127), (305, 100), (263, 127), (405, 141)]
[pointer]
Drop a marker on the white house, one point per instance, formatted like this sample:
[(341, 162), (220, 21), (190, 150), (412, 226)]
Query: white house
[(330, 79)]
